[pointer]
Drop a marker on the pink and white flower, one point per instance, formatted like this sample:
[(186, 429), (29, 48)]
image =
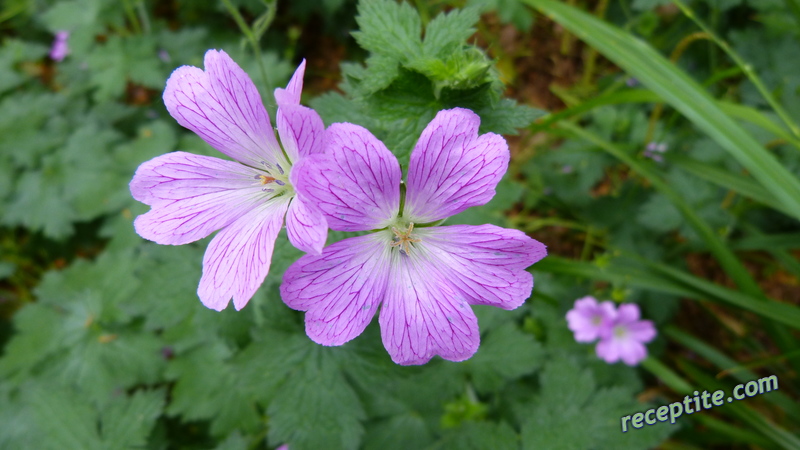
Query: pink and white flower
[(424, 277), (192, 196)]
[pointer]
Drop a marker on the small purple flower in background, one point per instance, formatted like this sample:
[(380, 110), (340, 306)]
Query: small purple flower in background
[(631, 82), (192, 196), (622, 335), (283, 447), (424, 276), (60, 50), (163, 55), (655, 150), (588, 318), (625, 339)]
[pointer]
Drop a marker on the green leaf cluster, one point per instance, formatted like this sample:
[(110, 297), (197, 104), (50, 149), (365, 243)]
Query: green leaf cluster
[(411, 73)]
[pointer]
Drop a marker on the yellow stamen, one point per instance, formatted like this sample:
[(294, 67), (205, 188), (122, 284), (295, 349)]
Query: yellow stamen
[(265, 179), (403, 238)]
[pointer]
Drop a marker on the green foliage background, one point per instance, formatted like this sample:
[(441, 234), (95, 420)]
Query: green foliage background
[(105, 344)]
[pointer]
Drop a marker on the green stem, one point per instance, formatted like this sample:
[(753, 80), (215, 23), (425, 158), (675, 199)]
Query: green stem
[(137, 28), (251, 38), (746, 68)]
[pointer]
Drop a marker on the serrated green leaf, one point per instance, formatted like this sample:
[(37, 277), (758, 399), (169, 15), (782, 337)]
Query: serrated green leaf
[(63, 419), (388, 28), (317, 407), (448, 31), (127, 421), (505, 354)]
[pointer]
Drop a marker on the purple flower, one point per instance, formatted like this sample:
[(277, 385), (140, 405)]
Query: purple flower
[(60, 50), (425, 277), (587, 319), (192, 196), (624, 339), (655, 150)]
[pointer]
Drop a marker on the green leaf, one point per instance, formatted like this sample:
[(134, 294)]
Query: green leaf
[(505, 355), (316, 408), (399, 432), (62, 419), (589, 415), (446, 32), (211, 393), (123, 59), (389, 28), (71, 15), (479, 436), (127, 421)]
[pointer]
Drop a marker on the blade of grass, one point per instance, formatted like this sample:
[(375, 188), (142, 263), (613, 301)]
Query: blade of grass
[(731, 181), (725, 363), (656, 277), (727, 259), (747, 68), (758, 118), (742, 411), (683, 93)]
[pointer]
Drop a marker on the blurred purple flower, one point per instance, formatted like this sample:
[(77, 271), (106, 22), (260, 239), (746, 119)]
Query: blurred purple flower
[(192, 196), (566, 169), (625, 339), (163, 55), (60, 50), (622, 335), (587, 319), (654, 151), (424, 276), (631, 82)]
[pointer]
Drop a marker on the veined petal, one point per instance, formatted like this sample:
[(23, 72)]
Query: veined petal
[(340, 289), (306, 227), (423, 316), (452, 168), (355, 183), (291, 95), (485, 263), (191, 196), (223, 106), (300, 129), (238, 258)]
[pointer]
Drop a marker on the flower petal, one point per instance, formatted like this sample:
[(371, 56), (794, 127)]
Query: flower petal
[(340, 289), (301, 131), (238, 258), (291, 95), (422, 316), (485, 263), (306, 227), (355, 183), (223, 106), (452, 168), (627, 313), (192, 196), (642, 330)]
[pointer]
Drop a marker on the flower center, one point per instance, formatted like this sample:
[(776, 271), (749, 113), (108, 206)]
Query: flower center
[(274, 181), (597, 320), (620, 331), (403, 238)]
